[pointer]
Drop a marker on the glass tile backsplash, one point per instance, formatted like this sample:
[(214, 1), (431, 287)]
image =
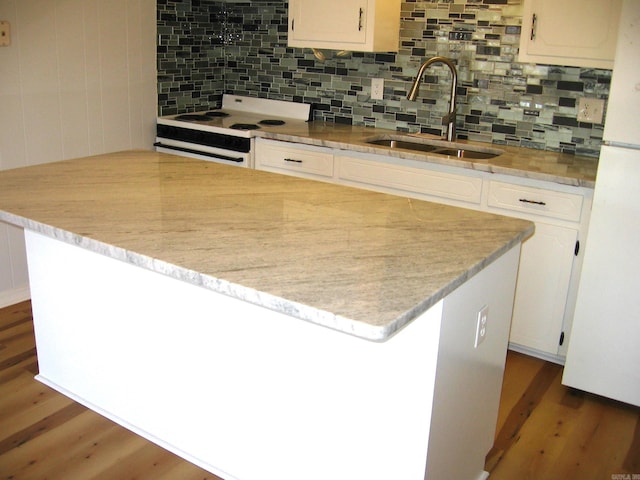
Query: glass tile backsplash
[(207, 48)]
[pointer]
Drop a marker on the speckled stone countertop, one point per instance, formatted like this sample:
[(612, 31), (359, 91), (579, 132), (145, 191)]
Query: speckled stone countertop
[(522, 162), (360, 262)]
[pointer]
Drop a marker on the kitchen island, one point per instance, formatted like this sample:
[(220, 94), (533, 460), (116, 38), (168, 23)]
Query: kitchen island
[(265, 326)]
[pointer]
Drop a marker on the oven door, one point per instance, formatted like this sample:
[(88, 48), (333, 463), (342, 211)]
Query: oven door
[(204, 152)]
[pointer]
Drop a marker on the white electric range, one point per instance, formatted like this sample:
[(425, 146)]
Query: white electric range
[(226, 135)]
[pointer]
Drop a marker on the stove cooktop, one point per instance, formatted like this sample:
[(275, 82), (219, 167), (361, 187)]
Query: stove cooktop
[(244, 126), (217, 113), (240, 116), (193, 117)]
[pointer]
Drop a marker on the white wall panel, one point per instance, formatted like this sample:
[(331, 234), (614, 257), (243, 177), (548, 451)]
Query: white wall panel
[(12, 152), (115, 73), (73, 95), (79, 78), (93, 75), (38, 82)]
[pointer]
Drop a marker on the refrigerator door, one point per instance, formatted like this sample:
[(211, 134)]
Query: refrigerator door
[(622, 124), (604, 353)]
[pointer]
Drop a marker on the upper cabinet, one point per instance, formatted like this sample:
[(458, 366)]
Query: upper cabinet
[(357, 25), (580, 33)]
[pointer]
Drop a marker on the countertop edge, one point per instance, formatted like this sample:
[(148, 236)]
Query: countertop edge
[(259, 298), (263, 299), (423, 306)]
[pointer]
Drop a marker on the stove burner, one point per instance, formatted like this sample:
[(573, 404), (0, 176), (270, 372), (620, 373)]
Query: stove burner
[(217, 113), (269, 121), (244, 126), (194, 117)]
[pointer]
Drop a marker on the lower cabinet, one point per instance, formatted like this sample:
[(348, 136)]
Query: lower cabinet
[(436, 185), (543, 307), (550, 260), (542, 289)]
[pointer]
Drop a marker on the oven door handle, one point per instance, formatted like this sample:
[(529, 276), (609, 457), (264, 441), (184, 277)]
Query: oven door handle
[(199, 152)]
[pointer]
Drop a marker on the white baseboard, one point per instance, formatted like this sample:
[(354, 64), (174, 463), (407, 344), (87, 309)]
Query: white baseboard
[(15, 295), (532, 352), (123, 423)]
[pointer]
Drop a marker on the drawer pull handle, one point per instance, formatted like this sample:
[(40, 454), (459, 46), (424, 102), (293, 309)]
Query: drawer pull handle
[(535, 202), (360, 20), (292, 160), (534, 26)]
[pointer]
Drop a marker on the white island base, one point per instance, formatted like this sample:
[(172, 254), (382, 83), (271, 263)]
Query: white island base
[(253, 394)]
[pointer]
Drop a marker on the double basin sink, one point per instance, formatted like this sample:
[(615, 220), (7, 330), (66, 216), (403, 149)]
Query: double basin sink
[(436, 147)]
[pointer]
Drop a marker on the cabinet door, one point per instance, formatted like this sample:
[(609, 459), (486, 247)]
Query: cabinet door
[(580, 33), (400, 180), (330, 20), (546, 261), (358, 25)]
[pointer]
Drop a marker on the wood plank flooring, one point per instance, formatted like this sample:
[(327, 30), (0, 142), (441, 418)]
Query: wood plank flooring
[(548, 431), (545, 430)]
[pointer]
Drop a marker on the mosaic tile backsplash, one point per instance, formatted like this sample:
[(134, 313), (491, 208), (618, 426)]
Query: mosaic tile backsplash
[(207, 48)]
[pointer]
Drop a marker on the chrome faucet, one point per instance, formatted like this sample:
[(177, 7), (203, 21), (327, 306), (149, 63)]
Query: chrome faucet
[(450, 118)]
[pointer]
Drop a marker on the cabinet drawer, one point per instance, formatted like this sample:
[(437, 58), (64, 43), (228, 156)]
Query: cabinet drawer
[(560, 205), (408, 179), (273, 156)]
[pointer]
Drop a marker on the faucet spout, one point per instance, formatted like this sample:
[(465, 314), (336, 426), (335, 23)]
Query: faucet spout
[(450, 119)]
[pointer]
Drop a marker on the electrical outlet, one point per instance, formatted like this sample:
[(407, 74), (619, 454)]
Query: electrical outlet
[(377, 88), (5, 34), (481, 325), (590, 110)]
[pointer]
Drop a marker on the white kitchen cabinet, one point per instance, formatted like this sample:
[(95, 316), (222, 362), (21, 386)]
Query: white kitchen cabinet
[(293, 159), (542, 289), (579, 33), (358, 25), (535, 201), (546, 262), (431, 184)]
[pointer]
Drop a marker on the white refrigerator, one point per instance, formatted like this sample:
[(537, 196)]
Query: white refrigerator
[(604, 348)]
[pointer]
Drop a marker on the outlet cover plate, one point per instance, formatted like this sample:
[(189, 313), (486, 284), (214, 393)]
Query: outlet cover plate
[(377, 88), (481, 325), (590, 110)]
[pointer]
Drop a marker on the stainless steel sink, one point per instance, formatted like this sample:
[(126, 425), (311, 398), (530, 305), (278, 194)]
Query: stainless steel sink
[(437, 147), (388, 142), (465, 153)]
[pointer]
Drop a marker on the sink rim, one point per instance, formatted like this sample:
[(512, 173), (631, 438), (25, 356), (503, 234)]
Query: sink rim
[(426, 147), (437, 144)]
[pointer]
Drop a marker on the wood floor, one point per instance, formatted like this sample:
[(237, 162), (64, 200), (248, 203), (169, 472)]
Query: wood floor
[(545, 431)]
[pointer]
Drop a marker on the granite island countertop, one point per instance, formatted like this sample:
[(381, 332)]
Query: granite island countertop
[(360, 262), (515, 161)]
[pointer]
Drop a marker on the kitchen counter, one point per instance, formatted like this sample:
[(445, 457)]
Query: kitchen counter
[(520, 162), (356, 261), (170, 295)]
